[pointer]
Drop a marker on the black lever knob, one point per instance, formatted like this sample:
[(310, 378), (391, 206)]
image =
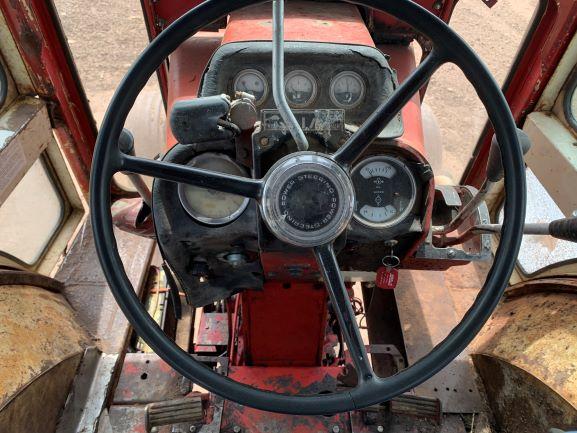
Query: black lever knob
[(565, 229), (494, 165)]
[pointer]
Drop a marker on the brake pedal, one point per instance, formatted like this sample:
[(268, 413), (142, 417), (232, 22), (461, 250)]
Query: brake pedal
[(179, 411)]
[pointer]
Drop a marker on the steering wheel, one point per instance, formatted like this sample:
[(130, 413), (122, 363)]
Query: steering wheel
[(335, 169)]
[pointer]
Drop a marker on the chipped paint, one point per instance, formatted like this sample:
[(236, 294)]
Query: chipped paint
[(38, 331), (537, 332)]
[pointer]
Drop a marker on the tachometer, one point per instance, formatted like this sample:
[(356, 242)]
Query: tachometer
[(208, 206), (300, 88), (385, 191), (347, 89), (253, 82)]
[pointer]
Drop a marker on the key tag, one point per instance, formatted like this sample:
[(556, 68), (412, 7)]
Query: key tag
[(388, 275)]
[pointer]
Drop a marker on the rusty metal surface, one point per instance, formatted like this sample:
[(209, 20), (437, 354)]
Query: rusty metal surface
[(36, 408), (521, 403), (89, 393), (362, 422), (125, 419), (213, 330), (38, 35), (537, 333), (546, 285), (25, 278), (39, 330), (87, 290), (146, 378), (428, 313), (26, 134), (304, 380)]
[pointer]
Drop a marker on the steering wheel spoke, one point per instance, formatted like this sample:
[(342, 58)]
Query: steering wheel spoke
[(339, 296), (386, 112), (223, 182)]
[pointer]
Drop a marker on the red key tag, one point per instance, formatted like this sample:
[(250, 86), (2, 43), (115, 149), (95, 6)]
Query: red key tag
[(387, 277)]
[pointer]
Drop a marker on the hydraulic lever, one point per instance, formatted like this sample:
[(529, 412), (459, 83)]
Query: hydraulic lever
[(494, 175), (564, 229)]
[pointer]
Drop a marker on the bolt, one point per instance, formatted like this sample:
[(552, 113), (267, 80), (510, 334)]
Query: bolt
[(575, 213), (192, 429), (438, 5), (336, 429), (264, 141), (451, 253), (380, 429), (236, 429), (236, 259)]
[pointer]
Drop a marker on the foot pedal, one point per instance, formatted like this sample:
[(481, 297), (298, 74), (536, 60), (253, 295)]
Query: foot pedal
[(417, 406), (179, 411)]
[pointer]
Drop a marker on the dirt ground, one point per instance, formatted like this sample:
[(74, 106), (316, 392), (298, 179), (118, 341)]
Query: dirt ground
[(106, 36)]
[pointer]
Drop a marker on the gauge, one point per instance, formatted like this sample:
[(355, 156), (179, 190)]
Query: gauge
[(347, 89), (206, 205), (300, 88), (253, 82), (385, 191)]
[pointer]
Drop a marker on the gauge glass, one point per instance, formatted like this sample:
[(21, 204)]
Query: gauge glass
[(253, 82), (385, 191), (206, 205), (300, 88), (347, 89)]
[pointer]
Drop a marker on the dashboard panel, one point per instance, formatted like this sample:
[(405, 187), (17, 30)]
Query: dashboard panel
[(215, 243), (348, 79)]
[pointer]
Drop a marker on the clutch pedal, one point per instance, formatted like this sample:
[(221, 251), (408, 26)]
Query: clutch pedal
[(183, 410)]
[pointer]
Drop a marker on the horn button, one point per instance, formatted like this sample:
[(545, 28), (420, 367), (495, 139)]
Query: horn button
[(308, 199)]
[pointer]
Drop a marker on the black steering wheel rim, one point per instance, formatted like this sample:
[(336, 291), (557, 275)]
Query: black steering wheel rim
[(107, 161)]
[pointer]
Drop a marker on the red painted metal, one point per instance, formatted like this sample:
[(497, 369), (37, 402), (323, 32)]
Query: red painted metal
[(35, 28), (285, 266), (306, 381), (387, 26), (282, 325), (213, 331), (304, 21), (153, 28), (542, 54), (164, 12), (402, 59)]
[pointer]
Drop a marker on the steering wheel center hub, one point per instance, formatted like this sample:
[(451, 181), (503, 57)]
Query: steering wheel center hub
[(308, 199)]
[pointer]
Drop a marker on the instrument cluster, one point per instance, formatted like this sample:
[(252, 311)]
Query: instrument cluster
[(346, 80), (346, 89)]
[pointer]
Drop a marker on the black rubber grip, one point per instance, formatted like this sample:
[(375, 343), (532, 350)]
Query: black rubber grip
[(565, 229), (494, 165)]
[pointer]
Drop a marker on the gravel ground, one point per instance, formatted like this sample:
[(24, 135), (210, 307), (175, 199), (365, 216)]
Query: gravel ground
[(106, 36)]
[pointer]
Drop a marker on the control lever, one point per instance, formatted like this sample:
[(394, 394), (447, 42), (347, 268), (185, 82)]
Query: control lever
[(126, 146), (564, 229), (495, 174)]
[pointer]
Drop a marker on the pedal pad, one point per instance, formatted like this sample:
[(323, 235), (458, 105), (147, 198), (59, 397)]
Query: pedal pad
[(183, 410), (421, 407)]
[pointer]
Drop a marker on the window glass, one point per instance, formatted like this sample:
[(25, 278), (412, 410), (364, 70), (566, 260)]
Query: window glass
[(496, 35), (570, 101), (31, 215), (539, 252)]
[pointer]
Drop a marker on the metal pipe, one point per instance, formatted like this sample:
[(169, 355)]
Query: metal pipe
[(278, 77)]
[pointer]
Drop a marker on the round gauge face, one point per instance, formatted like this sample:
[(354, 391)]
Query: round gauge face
[(300, 88), (385, 191), (347, 89), (208, 206), (253, 82)]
